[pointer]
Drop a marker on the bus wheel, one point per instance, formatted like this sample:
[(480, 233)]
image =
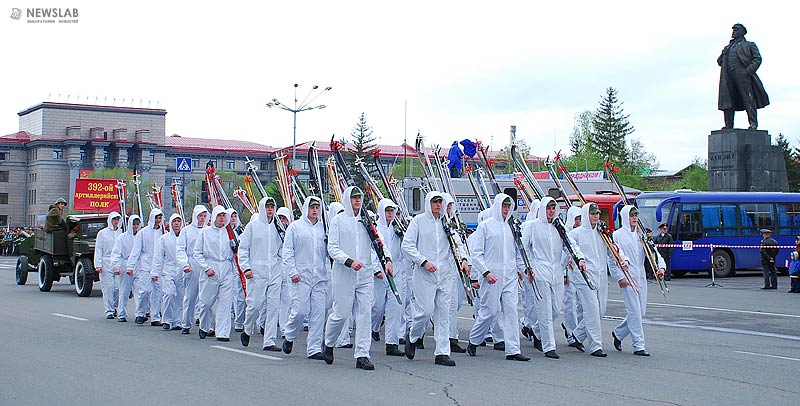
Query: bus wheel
[(723, 264)]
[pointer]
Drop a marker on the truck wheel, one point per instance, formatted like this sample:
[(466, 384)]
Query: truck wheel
[(723, 264), (83, 283), (22, 270), (46, 270)]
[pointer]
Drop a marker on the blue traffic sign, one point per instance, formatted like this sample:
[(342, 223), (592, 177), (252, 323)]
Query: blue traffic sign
[(183, 165)]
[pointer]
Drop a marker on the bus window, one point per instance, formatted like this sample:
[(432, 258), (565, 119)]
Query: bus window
[(719, 219), (690, 222), (788, 219), (755, 216)]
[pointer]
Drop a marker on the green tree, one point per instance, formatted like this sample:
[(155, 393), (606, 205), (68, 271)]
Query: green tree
[(581, 133), (639, 160), (791, 157), (363, 145), (695, 177), (399, 170), (610, 129)]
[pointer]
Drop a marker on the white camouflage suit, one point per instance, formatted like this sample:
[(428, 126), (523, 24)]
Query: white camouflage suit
[(146, 291), (385, 301), (496, 252), (426, 241), (104, 245), (212, 251), (260, 253), (305, 255), (185, 255), (550, 258), (629, 242), (348, 241), (592, 302), (165, 266), (119, 262)]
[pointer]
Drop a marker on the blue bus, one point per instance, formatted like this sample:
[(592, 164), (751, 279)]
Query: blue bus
[(722, 219)]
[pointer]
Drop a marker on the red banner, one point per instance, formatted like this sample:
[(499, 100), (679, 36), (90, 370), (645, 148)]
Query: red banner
[(97, 195)]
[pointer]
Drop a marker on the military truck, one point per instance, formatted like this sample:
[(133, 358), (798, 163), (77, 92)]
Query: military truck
[(63, 253)]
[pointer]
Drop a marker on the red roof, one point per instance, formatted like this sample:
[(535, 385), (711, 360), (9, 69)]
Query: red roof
[(21, 136), (210, 144)]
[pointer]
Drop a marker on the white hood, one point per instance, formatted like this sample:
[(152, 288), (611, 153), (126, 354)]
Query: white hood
[(382, 205), (174, 216), (199, 209), (131, 219), (214, 213), (428, 198), (497, 208), (625, 217), (348, 208), (112, 216), (541, 214), (575, 211), (447, 199), (334, 209), (262, 210), (534, 209), (284, 211), (152, 219)]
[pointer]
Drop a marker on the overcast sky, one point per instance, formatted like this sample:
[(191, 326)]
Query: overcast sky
[(466, 69)]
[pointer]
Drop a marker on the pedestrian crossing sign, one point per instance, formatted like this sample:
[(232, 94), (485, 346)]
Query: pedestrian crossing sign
[(183, 165)]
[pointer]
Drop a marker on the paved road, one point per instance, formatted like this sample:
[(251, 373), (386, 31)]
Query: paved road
[(730, 345)]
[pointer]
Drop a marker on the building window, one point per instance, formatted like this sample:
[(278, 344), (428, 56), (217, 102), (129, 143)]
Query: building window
[(58, 153), (106, 156), (152, 157), (3, 198), (83, 155), (3, 176), (195, 163), (264, 166), (3, 220), (5, 155), (230, 164), (304, 165), (32, 196), (231, 185), (213, 162)]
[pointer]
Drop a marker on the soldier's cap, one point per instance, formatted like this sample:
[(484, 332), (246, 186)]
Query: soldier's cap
[(269, 202), (634, 211), (437, 198), (765, 231), (508, 201), (662, 225), (357, 192), (313, 201), (60, 200), (551, 203), (593, 208)]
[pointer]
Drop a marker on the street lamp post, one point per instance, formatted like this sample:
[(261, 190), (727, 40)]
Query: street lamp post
[(305, 105)]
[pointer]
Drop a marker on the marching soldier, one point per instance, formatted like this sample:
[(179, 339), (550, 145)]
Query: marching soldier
[(104, 245), (630, 242), (305, 262), (355, 263), (119, 261), (427, 246), (189, 266), (166, 269), (147, 288), (502, 264), (214, 256), (385, 302), (259, 257)]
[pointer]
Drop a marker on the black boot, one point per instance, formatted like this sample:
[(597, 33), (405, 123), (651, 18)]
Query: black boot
[(599, 353), (444, 360), (166, 326), (537, 343), (376, 336), (328, 355), (202, 333), (391, 349), (551, 354), (517, 357), (641, 353), (364, 363), (186, 331), (617, 342), (577, 344), (122, 320), (454, 347), (287, 346), (411, 347), (245, 339), (566, 334), (527, 332), (472, 349), (500, 346)]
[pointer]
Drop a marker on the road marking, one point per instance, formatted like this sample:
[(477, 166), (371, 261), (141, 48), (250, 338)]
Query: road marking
[(615, 318), (723, 330), (716, 309), (252, 354), (767, 355), (66, 316)]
